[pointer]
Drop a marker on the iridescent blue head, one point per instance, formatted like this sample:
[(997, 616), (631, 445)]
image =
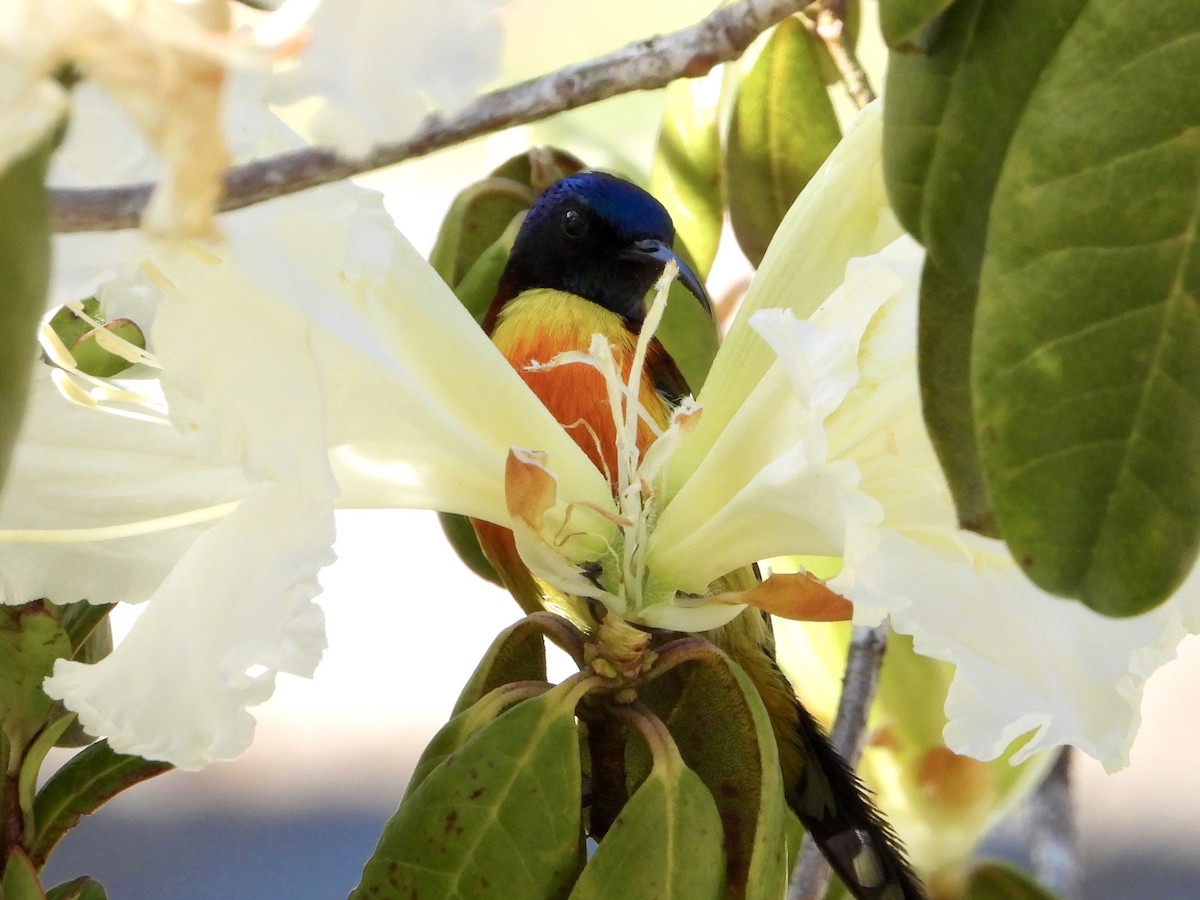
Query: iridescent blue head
[(599, 237)]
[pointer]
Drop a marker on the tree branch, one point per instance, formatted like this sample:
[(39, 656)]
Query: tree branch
[(810, 877), (829, 18), (645, 65), (1053, 837)]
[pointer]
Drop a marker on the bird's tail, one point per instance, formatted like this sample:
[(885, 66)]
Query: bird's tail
[(819, 786)]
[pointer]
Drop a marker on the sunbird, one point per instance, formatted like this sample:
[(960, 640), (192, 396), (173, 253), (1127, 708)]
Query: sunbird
[(587, 254)]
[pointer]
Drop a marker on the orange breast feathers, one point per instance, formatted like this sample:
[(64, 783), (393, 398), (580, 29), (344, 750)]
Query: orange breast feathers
[(538, 325)]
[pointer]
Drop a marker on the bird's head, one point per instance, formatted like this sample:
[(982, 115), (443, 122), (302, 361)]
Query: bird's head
[(600, 237)]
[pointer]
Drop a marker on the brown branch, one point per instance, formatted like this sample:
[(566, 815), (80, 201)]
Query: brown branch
[(1053, 835), (810, 877), (646, 65), (829, 24)]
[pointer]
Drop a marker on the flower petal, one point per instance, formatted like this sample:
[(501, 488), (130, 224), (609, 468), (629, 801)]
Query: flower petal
[(235, 610), (1025, 661), (76, 468), (29, 107), (379, 71), (841, 214), (767, 486), (422, 408)]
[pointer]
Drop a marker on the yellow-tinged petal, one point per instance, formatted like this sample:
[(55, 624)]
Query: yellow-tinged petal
[(797, 596), (842, 213), (315, 340), (767, 486), (553, 542)]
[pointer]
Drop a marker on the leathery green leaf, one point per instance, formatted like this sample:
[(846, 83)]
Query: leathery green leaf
[(478, 286), (1086, 358), (689, 334), (69, 326), (686, 172), (517, 654), (24, 280), (477, 217), (539, 167), (944, 146), (500, 817), (31, 765), (461, 535), (466, 722), (902, 21), (783, 128), (719, 724), (994, 881), (82, 888), (30, 641), (666, 842), (92, 777), (946, 323), (93, 358), (20, 880)]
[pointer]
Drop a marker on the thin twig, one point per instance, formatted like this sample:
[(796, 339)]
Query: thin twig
[(1053, 837), (810, 877), (645, 65), (830, 27)]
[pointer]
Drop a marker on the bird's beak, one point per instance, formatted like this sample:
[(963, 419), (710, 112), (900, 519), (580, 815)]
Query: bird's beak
[(650, 248)]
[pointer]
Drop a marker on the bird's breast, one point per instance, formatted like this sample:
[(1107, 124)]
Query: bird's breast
[(539, 324)]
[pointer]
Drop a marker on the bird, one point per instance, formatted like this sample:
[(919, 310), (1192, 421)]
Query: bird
[(588, 252)]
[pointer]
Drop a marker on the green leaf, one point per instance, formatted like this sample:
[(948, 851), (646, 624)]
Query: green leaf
[(82, 888), (903, 21), (88, 628), (783, 128), (478, 285), (70, 326), (943, 145), (947, 318), (20, 880), (517, 654), (461, 535), (685, 175), (666, 842), (24, 280), (464, 724), (81, 621), (723, 733), (539, 167), (477, 217), (30, 641), (1086, 364), (31, 765), (92, 358), (996, 881), (689, 335), (89, 779), (1070, 197), (482, 212), (500, 817)]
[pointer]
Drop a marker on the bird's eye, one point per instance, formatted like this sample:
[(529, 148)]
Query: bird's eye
[(574, 223)]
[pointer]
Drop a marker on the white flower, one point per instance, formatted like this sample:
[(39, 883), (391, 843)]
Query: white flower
[(810, 442), (378, 67), (317, 359), (373, 69), (314, 359), (163, 60), (1029, 665)]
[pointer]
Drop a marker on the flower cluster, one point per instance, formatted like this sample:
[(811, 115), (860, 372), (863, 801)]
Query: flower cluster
[(315, 360)]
